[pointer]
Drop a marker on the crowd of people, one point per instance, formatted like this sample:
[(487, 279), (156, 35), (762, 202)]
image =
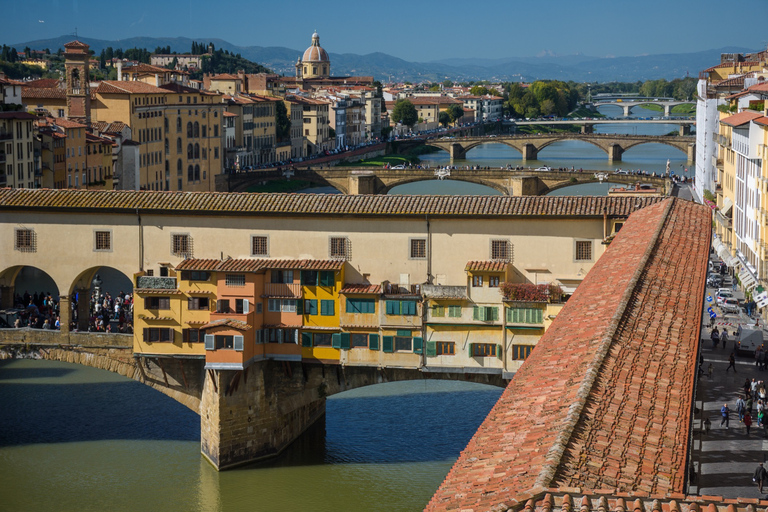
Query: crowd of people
[(105, 313)]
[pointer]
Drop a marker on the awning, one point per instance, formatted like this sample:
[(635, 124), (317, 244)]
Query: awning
[(747, 279), (727, 205), (724, 254), (569, 285)]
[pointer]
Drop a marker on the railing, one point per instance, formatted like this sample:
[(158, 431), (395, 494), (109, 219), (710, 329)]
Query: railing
[(282, 290), (156, 283)]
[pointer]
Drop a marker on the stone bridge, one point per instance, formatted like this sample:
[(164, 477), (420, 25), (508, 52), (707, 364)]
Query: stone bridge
[(366, 180), (245, 415), (529, 146), (627, 105)]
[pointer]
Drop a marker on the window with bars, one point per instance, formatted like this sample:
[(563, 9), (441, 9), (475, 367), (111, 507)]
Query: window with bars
[(259, 246), (103, 240), (25, 240), (418, 248), (338, 248), (500, 250), (583, 250), (181, 245), (235, 279)]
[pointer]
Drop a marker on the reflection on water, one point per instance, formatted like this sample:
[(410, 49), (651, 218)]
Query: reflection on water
[(97, 441)]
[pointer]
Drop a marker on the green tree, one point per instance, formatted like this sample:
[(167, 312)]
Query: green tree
[(478, 90), (404, 112), (444, 118), (455, 112), (282, 122)]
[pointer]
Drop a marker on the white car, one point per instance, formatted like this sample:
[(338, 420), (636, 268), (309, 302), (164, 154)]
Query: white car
[(730, 305), (544, 168), (401, 166), (722, 295)]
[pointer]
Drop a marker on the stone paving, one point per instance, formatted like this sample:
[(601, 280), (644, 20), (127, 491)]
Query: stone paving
[(725, 459)]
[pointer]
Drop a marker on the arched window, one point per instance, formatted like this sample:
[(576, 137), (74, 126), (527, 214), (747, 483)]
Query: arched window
[(178, 146), (215, 113), (190, 173), (190, 152), (189, 129), (197, 173), (75, 79), (197, 150), (197, 129), (178, 167), (178, 125)]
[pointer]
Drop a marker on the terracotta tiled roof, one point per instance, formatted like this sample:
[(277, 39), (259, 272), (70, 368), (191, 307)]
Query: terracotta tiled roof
[(104, 127), (313, 204), (42, 93), (45, 83), (155, 291), (486, 266), (76, 44), (256, 265), (761, 120), (304, 264), (228, 322), (741, 118), (66, 123), (198, 264), (370, 289), (17, 115), (128, 87), (604, 401)]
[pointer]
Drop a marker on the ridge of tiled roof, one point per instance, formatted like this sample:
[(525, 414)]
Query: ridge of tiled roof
[(256, 265), (741, 118), (228, 322), (486, 266), (371, 289), (604, 401), (128, 87), (42, 83), (43, 93), (228, 203)]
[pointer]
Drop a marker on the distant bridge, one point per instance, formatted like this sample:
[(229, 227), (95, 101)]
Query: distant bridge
[(629, 103), (530, 145), (367, 180), (587, 125)]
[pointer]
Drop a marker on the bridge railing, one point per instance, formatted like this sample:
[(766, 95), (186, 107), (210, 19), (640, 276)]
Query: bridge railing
[(28, 336)]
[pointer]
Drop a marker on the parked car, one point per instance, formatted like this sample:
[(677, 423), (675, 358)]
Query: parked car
[(401, 166), (722, 295), (730, 305), (544, 168)]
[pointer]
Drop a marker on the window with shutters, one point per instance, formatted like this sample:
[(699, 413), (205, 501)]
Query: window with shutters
[(309, 277), (310, 307), (259, 246), (338, 248), (438, 310), (445, 348), (418, 248), (158, 334), (359, 340), (281, 306), (192, 335), (25, 240), (327, 278), (181, 245), (361, 306), (322, 339), (237, 280), (454, 311), (102, 240), (401, 307), (484, 349), (224, 341), (403, 343), (500, 250), (525, 316), (198, 303), (583, 250), (520, 352), (327, 308), (485, 313), (242, 306), (159, 303), (281, 276)]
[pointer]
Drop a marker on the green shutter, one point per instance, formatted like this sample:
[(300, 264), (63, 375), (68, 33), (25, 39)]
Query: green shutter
[(369, 306), (299, 306), (393, 307), (346, 340), (539, 316), (494, 314), (499, 352), (327, 308), (336, 340), (471, 350), (388, 343), (438, 310), (351, 306), (373, 341), (418, 345), (312, 307), (306, 339), (326, 278), (406, 334), (476, 313), (431, 349)]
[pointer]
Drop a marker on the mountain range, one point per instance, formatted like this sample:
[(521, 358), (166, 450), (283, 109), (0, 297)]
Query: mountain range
[(386, 68)]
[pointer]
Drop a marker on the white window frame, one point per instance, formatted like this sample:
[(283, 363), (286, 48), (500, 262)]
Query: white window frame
[(95, 240)]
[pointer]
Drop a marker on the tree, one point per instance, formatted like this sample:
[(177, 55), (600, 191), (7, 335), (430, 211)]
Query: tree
[(455, 112), (478, 90), (444, 118), (404, 112), (282, 122)]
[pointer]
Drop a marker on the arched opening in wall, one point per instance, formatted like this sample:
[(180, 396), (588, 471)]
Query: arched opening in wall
[(102, 299), (446, 187), (29, 295)]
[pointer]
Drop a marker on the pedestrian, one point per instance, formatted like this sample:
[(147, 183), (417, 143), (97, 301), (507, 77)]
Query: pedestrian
[(725, 413), (747, 421), (707, 425), (747, 388), (724, 338), (731, 363), (759, 477), (710, 370), (715, 337), (741, 407)]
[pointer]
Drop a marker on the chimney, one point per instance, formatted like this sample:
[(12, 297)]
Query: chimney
[(157, 80), (119, 70)]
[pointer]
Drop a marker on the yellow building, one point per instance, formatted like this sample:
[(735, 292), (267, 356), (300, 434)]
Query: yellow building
[(98, 162), (321, 282), (17, 163), (315, 122), (159, 317)]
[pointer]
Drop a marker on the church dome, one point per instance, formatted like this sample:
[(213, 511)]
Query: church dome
[(315, 53)]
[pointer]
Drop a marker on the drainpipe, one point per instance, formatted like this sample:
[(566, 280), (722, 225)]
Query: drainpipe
[(423, 303), (141, 242), (605, 223)]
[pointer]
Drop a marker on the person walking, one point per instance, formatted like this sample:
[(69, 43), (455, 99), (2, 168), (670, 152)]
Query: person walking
[(724, 338), (747, 421), (731, 363), (741, 408), (759, 477), (725, 413)]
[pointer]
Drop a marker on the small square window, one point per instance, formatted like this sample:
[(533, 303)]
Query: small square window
[(583, 250), (235, 279), (477, 281), (103, 240), (259, 246), (338, 248), (500, 250), (418, 248), (181, 245), (25, 240)]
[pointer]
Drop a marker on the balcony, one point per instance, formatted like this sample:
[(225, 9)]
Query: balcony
[(156, 283), (282, 290), (432, 291)]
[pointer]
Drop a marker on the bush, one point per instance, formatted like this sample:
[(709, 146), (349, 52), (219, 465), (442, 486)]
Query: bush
[(532, 292)]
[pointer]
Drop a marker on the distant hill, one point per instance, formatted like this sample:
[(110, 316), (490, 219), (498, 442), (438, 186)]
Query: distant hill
[(579, 68)]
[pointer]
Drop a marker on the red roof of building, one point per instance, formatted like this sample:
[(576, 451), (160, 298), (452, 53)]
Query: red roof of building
[(362, 289), (486, 266), (52, 93), (257, 265), (741, 118), (128, 87), (603, 404), (228, 322)]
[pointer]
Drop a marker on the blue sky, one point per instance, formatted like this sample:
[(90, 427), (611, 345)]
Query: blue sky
[(415, 30)]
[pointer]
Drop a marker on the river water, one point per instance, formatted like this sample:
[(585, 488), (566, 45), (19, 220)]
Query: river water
[(78, 438)]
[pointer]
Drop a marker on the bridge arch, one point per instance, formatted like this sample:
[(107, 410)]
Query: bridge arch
[(478, 181), (22, 279), (474, 144), (681, 146), (563, 137)]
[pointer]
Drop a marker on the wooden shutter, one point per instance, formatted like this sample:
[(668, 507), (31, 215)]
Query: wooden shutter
[(431, 349), (346, 340), (494, 314), (388, 343), (393, 307), (351, 306), (476, 313), (239, 343), (306, 339), (299, 307), (418, 345), (499, 352), (373, 341), (471, 350), (146, 333), (209, 342), (246, 306), (336, 340)]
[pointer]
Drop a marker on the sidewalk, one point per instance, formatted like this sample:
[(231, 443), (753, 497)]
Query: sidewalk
[(725, 459)]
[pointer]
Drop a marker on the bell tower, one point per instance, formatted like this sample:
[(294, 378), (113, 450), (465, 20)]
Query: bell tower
[(76, 65)]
